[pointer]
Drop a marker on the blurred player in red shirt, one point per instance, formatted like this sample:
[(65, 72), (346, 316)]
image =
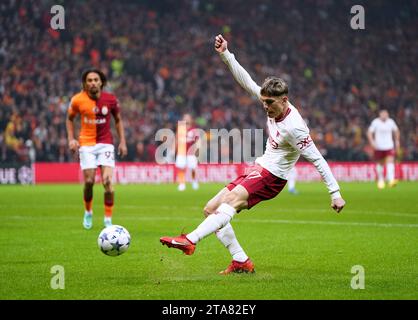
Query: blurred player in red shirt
[(187, 138), (95, 142)]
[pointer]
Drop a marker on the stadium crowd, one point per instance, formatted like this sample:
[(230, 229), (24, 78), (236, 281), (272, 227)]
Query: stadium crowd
[(160, 62)]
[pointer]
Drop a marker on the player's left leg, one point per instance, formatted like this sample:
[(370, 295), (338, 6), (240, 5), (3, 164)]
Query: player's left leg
[(107, 176), (390, 171), (291, 181), (106, 161), (195, 183), (192, 165), (233, 202), (226, 235)]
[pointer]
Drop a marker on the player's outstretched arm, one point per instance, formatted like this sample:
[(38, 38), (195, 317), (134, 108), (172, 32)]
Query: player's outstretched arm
[(239, 73), (300, 139)]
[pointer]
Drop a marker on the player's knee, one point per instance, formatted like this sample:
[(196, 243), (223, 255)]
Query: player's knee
[(107, 182), (230, 198), (234, 199), (209, 209), (89, 182)]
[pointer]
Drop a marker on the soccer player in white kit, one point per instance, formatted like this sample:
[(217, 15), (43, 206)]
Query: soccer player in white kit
[(288, 139), (384, 137)]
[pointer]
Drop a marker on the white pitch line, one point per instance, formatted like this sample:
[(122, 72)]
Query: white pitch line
[(278, 221), (200, 209), (382, 213), (336, 223)]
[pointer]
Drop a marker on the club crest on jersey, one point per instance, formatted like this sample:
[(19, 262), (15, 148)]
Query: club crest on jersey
[(273, 143), (105, 110)]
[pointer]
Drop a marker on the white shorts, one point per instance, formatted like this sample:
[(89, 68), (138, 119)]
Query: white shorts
[(189, 162), (102, 154)]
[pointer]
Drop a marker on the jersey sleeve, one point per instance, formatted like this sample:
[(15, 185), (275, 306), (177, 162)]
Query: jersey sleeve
[(372, 127), (394, 126), (300, 139), (73, 108), (115, 109), (240, 74)]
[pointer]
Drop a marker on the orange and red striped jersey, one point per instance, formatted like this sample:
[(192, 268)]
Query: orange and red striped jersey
[(186, 138), (95, 117)]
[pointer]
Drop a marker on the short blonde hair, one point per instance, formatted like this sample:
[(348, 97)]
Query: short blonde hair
[(274, 87)]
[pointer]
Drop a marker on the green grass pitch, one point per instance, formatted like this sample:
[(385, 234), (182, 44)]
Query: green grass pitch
[(300, 247)]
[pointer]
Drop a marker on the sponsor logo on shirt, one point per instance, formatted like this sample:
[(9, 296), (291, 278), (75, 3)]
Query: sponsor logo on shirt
[(304, 143), (94, 121)]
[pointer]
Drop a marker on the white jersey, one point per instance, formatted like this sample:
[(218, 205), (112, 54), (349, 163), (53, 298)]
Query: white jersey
[(288, 137), (383, 133)]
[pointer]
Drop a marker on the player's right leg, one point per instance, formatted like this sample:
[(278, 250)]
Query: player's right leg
[(380, 176), (88, 165), (107, 174), (89, 176), (181, 172)]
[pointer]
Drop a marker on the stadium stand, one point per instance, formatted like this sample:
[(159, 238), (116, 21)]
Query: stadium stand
[(160, 61)]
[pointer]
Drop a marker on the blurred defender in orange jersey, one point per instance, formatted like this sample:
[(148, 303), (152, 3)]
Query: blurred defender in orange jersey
[(95, 143), (187, 137)]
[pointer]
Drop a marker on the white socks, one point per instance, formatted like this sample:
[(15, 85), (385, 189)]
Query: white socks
[(390, 174), (379, 170), (291, 179), (291, 184), (213, 222), (227, 236), (218, 222)]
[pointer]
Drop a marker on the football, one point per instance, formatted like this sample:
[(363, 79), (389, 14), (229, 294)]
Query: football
[(114, 240)]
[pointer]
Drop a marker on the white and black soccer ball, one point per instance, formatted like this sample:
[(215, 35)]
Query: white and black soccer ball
[(114, 240)]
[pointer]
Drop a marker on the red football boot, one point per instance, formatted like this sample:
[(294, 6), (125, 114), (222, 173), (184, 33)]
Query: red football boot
[(239, 267), (180, 242)]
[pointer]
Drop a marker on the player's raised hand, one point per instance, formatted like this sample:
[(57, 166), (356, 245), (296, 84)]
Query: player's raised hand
[(122, 149), (338, 204), (220, 43)]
